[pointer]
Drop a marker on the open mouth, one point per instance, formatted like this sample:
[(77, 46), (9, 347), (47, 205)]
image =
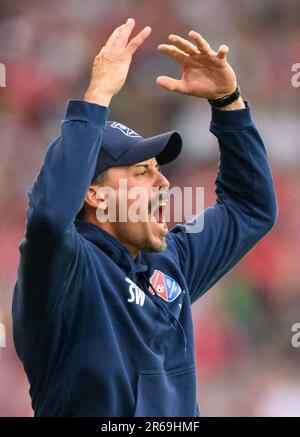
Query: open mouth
[(157, 211)]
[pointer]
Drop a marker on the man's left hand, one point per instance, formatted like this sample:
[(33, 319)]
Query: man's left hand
[(205, 73)]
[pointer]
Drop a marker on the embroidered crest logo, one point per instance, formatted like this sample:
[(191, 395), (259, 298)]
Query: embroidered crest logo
[(165, 286), (125, 130)]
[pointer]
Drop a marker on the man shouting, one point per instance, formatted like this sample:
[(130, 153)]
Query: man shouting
[(102, 308)]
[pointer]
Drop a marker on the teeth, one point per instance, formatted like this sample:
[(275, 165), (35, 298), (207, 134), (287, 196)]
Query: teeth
[(160, 204)]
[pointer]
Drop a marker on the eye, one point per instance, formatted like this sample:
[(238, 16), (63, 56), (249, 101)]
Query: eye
[(141, 173)]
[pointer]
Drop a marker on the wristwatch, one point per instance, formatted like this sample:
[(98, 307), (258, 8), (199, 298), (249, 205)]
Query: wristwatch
[(227, 100)]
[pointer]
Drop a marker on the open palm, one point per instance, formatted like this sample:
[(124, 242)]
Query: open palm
[(205, 73)]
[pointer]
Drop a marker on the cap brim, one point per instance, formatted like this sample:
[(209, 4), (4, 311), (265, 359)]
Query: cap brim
[(164, 147)]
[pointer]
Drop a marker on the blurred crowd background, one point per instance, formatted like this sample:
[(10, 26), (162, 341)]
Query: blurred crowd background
[(246, 362)]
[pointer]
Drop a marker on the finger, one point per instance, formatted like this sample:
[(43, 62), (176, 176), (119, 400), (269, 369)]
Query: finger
[(170, 84), (184, 45), (201, 43), (223, 51), (121, 33), (116, 34), (172, 51), (138, 40)]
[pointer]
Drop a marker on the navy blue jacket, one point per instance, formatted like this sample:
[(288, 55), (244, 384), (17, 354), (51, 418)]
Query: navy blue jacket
[(94, 334)]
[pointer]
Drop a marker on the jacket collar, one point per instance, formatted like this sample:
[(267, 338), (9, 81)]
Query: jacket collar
[(112, 247)]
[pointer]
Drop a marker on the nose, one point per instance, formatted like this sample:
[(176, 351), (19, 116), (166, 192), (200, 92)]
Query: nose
[(162, 181)]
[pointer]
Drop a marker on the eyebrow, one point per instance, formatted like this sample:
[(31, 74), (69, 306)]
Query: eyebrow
[(147, 165)]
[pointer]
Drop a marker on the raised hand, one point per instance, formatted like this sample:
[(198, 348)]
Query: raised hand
[(205, 73), (111, 65)]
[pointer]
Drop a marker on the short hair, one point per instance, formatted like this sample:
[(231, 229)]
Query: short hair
[(97, 180)]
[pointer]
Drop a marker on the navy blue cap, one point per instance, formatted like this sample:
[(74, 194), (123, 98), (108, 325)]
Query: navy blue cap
[(123, 146)]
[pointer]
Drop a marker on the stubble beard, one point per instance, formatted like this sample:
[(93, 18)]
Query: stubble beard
[(149, 246)]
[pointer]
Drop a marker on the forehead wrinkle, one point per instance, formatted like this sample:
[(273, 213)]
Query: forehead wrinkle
[(149, 163)]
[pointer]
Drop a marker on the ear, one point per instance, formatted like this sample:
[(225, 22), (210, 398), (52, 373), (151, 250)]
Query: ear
[(96, 198)]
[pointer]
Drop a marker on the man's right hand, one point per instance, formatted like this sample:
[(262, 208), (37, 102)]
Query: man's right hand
[(111, 65)]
